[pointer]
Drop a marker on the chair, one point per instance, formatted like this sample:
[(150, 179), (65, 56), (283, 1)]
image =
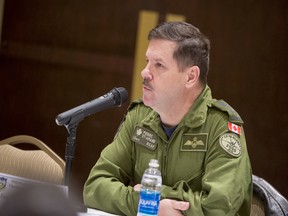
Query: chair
[(40, 164), (267, 201), (257, 208)]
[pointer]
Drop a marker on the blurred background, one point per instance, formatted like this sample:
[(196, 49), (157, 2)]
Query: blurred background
[(58, 54)]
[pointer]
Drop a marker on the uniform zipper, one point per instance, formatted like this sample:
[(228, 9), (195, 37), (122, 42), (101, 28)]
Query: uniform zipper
[(166, 146), (165, 161)]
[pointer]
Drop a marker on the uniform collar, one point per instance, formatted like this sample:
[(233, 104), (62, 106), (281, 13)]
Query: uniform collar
[(194, 118), (198, 112)]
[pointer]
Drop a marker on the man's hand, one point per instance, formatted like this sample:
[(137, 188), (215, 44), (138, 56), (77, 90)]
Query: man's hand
[(169, 206), (137, 187), (172, 207)]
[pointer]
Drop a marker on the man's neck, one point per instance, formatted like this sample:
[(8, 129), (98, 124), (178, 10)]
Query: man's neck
[(173, 115)]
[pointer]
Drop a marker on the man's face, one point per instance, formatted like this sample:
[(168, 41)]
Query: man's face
[(163, 83)]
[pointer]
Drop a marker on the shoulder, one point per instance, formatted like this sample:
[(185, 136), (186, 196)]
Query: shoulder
[(225, 108), (137, 104), (231, 137), (137, 107)]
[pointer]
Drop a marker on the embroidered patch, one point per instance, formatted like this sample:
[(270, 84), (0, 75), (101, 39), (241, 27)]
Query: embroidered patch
[(234, 128), (3, 182), (194, 142), (231, 144), (145, 137)]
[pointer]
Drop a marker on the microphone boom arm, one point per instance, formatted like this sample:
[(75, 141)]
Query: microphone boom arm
[(69, 151), (71, 118)]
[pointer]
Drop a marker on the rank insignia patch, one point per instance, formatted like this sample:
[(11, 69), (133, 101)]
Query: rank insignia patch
[(231, 144), (145, 137), (194, 142)]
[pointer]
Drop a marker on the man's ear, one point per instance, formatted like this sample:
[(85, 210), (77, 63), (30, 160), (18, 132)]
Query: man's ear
[(193, 74)]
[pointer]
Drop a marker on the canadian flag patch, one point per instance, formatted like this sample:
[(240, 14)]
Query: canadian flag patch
[(234, 128)]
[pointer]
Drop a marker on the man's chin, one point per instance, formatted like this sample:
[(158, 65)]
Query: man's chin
[(146, 101)]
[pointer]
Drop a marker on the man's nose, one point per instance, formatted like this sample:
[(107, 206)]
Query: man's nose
[(146, 74)]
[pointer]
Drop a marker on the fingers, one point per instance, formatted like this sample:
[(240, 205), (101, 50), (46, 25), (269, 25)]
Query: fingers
[(172, 207), (137, 187), (180, 205)]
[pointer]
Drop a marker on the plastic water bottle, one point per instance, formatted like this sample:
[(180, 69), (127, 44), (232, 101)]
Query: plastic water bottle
[(150, 190)]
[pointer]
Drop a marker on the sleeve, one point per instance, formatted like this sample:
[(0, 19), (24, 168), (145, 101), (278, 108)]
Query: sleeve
[(225, 183), (107, 187)]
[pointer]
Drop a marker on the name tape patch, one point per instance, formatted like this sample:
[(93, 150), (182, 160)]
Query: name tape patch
[(145, 137)]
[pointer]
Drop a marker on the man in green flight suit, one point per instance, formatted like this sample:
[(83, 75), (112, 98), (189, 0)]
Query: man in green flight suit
[(199, 141)]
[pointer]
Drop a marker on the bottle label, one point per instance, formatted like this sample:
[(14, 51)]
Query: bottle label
[(148, 203)]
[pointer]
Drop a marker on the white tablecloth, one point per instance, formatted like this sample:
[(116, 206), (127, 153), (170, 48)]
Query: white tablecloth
[(95, 213)]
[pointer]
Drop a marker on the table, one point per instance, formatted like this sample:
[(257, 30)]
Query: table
[(94, 212)]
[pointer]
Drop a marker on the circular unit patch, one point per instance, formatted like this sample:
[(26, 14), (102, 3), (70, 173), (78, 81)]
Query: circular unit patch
[(231, 144)]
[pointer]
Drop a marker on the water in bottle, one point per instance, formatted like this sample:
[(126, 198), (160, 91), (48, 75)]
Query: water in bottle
[(150, 190)]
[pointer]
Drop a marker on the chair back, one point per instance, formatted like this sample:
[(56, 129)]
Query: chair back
[(257, 208), (267, 200), (41, 164)]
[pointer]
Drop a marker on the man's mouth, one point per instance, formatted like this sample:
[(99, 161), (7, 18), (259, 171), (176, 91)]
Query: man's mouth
[(146, 84)]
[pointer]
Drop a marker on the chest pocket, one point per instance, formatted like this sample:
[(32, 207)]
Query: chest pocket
[(145, 148), (142, 157), (188, 159)]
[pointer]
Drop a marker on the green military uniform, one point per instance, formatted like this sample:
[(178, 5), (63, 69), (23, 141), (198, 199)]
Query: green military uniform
[(204, 162)]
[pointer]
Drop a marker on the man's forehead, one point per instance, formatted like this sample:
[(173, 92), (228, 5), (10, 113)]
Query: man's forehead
[(159, 49)]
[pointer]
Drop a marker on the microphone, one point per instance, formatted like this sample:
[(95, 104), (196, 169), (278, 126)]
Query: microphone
[(114, 98)]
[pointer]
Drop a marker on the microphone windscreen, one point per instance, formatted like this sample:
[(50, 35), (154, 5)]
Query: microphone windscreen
[(120, 95)]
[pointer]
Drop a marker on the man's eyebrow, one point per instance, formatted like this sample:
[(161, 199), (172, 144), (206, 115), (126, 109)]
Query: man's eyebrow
[(157, 59)]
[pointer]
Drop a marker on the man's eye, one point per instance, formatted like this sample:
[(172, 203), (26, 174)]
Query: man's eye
[(159, 65)]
